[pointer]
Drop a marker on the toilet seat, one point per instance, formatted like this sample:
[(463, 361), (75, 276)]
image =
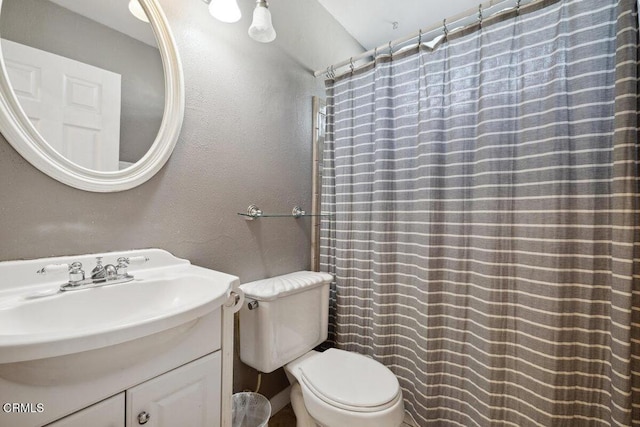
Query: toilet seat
[(350, 381)]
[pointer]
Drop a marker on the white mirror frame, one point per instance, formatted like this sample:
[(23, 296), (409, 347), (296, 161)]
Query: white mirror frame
[(18, 130)]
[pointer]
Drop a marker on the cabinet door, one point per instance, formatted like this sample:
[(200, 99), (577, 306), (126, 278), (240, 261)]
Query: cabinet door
[(188, 396), (108, 413)]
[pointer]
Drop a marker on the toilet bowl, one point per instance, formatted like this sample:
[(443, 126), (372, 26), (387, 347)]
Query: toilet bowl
[(281, 321), (341, 388)]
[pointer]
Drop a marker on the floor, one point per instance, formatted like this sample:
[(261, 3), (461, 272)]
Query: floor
[(286, 418)]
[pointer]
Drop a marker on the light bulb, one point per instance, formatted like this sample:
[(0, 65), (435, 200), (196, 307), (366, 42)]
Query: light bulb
[(137, 10), (261, 28), (225, 10)]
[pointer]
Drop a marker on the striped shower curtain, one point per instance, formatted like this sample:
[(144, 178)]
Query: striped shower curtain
[(485, 233)]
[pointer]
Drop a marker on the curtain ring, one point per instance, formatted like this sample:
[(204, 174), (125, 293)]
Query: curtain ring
[(518, 7), (419, 37), (351, 64), (480, 15), (444, 28), (333, 73), (390, 51)]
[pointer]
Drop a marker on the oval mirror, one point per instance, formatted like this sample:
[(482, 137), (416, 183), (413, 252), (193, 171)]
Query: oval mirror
[(89, 94)]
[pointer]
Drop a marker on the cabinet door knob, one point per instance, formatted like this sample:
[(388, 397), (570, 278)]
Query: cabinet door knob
[(143, 417)]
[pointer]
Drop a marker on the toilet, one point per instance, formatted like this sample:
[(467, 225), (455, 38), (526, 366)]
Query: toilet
[(282, 319)]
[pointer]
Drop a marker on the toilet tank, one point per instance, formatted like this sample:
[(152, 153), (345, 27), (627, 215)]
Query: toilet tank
[(290, 319)]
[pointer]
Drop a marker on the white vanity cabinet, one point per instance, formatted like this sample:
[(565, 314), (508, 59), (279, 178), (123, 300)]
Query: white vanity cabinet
[(108, 413), (188, 396)]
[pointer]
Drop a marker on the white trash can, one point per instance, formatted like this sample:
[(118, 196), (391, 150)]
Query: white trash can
[(250, 410)]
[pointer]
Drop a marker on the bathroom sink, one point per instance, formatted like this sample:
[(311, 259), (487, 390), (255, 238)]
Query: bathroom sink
[(38, 321)]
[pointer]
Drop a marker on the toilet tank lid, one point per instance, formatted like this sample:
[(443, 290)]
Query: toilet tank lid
[(279, 286)]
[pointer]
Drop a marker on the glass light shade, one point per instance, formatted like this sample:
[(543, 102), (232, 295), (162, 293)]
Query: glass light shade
[(225, 10), (137, 11), (261, 28)]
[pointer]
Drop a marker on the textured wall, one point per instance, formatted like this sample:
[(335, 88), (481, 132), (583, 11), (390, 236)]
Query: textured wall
[(47, 26), (246, 139)]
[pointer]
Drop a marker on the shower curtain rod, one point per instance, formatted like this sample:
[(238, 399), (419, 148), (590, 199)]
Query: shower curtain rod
[(463, 19)]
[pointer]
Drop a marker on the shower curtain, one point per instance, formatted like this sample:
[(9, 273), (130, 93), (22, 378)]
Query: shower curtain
[(484, 236)]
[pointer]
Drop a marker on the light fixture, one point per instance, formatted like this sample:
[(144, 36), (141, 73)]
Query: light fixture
[(225, 10), (136, 10), (261, 28)]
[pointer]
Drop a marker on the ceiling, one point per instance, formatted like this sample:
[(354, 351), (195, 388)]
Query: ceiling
[(371, 22)]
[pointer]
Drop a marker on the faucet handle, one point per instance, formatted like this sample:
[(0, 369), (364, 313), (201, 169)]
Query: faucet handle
[(132, 260), (76, 273), (52, 268), (124, 262), (141, 259), (121, 268)]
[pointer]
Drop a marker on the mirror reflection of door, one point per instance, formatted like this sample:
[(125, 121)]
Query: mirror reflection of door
[(88, 75), (74, 106)]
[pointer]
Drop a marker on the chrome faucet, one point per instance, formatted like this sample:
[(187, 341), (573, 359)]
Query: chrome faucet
[(98, 271), (111, 271), (106, 272), (101, 275)]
